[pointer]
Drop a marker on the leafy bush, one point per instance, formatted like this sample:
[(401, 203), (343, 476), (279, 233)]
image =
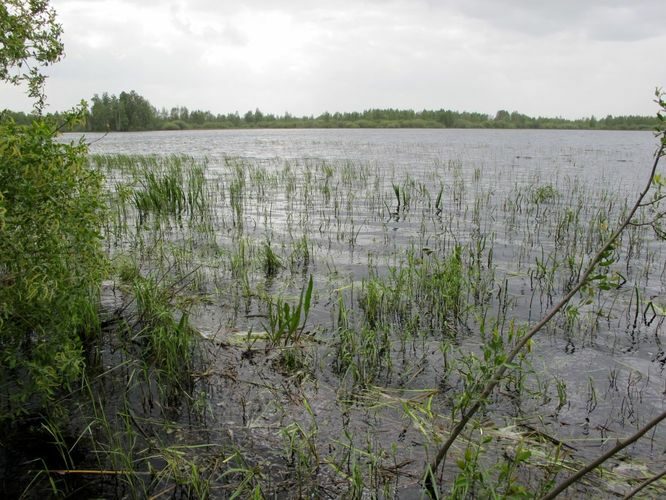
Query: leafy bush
[(51, 261)]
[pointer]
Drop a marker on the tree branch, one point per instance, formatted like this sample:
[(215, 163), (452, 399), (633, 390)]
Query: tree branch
[(593, 465)]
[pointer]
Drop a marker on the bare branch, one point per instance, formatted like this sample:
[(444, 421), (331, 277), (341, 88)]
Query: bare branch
[(644, 485), (596, 463)]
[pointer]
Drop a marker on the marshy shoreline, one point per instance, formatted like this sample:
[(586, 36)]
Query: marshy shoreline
[(281, 323)]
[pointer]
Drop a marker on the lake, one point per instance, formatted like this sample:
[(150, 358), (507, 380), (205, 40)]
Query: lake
[(425, 247), (585, 153)]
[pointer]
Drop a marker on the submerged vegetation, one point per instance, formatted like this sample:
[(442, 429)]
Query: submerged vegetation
[(245, 328)]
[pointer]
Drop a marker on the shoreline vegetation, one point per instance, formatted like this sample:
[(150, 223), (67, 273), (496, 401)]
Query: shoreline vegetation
[(131, 112)]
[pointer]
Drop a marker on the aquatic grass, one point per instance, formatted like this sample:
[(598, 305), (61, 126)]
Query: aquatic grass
[(302, 452), (185, 475), (426, 291), (286, 323), (246, 480), (272, 264), (543, 194), (366, 354), (166, 338)]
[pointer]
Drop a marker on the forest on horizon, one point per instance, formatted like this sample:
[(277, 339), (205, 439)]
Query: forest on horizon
[(131, 112)]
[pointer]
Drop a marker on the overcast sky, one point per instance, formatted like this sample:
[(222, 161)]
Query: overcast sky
[(570, 58)]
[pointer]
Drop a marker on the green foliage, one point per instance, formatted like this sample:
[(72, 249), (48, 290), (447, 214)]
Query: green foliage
[(286, 323), (423, 292), (29, 39), (167, 342), (128, 112), (544, 194), (364, 353), (448, 282), (51, 261), (162, 193), (271, 262), (131, 111), (660, 99)]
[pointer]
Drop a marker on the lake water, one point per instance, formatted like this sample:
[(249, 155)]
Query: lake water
[(617, 155), (509, 195)]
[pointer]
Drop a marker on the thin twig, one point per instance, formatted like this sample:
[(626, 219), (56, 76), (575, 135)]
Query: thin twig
[(644, 484), (654, 201), (96, 472), (596, 463)]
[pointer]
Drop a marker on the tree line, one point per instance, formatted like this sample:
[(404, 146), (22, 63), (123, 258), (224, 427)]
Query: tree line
[(132, 112)]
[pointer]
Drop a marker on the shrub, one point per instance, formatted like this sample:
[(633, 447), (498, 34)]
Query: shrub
[(51, 261)]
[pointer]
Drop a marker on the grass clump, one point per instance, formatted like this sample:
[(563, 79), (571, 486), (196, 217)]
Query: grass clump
[(168, 340), (286, 322)]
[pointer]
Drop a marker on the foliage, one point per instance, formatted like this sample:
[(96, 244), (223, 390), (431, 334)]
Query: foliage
[(50, 259), (166, 342), (51, 262), (286, 323), (130, 111), (591, 276), (29, 39), (375, 373)]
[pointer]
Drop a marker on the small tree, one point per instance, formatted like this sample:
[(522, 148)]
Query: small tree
[(51, 261), (29, 40)]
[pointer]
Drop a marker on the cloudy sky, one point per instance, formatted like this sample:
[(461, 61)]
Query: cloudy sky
[(570, 58)]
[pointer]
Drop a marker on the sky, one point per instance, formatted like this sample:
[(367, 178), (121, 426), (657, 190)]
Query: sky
[(568, 58)]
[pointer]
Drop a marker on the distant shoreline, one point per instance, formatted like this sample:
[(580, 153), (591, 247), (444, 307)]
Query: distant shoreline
[(131, 112), (204, 129)]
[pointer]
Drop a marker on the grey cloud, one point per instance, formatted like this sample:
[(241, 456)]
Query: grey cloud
[(597, 19), (306, 56), (224, 32)]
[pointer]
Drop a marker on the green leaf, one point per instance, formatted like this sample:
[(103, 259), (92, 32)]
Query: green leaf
[(523, 455)]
